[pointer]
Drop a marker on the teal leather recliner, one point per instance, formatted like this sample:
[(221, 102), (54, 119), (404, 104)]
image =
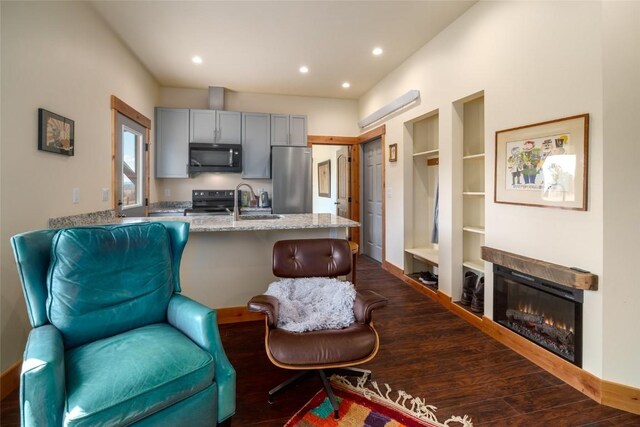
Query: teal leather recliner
[(113, 342)]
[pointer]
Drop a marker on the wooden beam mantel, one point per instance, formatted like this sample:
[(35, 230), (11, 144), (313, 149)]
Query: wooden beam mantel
[(542, 269)]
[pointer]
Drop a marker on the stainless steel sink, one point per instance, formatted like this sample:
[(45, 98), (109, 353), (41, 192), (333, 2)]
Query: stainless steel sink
[(259, 217)]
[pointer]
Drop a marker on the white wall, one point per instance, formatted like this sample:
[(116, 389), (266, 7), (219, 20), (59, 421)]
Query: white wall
[(323, 153), (59, 56), (621, 287), (325, 116), (535, 61)]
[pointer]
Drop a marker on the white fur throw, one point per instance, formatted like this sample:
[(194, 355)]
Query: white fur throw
[(313, 303)]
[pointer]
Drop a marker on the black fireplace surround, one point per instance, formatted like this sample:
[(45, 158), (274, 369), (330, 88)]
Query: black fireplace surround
[(546, 313)]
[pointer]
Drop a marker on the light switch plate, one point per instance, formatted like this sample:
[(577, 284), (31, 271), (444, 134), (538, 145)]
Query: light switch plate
[(167, 192), (105, 194), (75, 195)]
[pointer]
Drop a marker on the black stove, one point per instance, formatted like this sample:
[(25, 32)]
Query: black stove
[(211, 202)]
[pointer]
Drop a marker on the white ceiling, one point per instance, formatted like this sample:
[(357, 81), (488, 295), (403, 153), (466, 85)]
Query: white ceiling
[(258, 46)]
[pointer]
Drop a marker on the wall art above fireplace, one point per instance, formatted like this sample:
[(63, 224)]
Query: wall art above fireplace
[(544, 164)]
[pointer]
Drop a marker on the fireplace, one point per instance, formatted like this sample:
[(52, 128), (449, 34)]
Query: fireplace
[(546, 313)]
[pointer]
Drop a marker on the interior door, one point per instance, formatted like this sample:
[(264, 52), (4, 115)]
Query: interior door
[(372, 195), (131, 145), (344, 182)]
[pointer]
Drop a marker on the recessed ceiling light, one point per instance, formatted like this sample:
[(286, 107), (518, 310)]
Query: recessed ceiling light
[(197, 60), (377, 51), (304, 69), (346, 85)]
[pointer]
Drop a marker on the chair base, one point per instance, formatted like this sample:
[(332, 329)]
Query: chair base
[(325, 383)]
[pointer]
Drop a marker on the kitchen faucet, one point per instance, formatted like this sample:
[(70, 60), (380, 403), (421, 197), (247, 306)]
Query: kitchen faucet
[(236, 208)]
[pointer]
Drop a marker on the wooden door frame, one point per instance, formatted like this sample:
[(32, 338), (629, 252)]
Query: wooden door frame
[(366, 137), (119, 106), (355, 142), (354, 185)]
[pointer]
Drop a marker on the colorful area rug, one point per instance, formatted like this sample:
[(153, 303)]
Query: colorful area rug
[(364, 404)]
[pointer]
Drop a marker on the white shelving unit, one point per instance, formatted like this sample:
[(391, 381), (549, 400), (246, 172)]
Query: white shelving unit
[(421, 254), (427, 154), (473, 188)]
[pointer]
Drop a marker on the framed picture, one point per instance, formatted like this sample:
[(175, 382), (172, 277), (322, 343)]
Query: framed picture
[(324, 179), (55, 133), (393, 152), (544, 164)]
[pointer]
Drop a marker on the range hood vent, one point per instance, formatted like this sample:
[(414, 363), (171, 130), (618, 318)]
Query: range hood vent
[(216, 98)]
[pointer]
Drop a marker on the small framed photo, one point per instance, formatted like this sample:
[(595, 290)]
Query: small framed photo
[(324, 179), (393, 152), (55, 133), (544, 164)]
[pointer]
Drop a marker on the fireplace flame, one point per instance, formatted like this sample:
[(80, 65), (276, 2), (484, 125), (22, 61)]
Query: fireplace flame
[(529, 309)]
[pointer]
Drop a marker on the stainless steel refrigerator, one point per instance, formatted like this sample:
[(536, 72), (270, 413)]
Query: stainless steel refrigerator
[(291, 174)]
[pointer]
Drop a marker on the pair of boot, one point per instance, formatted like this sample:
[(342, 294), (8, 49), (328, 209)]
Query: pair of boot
[(473, 292), (428, 278)]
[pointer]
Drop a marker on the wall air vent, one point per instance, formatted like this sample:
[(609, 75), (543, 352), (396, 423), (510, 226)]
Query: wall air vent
[(395, 105)]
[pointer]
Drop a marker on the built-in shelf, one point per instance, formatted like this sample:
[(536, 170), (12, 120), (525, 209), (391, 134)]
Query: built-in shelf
[(421, 254), (473, 193), (470, 229), (474, 265), (474, 156), (427, 154), (428, 254)]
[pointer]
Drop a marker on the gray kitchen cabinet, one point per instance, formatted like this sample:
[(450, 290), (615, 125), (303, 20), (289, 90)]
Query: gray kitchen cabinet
[(256, 145), (298, 130), (172, 143), (288, 130), (215, 126)]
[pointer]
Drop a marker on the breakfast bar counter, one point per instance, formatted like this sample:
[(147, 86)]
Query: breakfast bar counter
[(199, 224)]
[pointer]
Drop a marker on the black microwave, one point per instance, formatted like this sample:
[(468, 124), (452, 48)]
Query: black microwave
[(215, 158)]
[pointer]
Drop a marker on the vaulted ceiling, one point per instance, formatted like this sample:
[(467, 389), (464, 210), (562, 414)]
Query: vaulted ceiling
[(259, 46)]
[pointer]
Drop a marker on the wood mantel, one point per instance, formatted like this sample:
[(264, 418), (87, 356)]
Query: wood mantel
[(542, 269)]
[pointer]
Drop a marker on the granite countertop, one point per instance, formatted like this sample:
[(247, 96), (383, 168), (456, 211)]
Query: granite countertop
[(226, 222), (214, 223)]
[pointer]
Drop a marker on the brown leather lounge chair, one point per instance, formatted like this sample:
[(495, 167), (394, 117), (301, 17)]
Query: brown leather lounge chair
[(322, 349)]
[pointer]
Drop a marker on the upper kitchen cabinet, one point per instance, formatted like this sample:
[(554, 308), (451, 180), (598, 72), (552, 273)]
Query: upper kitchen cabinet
[(215, 126), (172, 143), (256, 147), (288, 129)]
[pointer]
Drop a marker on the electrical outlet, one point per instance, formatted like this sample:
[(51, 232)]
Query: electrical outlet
[(75, 195), (167, 192), (389, 192), (105, 194)]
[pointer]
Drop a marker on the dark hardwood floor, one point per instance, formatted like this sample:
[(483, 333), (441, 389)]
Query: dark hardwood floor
[(426, 351)]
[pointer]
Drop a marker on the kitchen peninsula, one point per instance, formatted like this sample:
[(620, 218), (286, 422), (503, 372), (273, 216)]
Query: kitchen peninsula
[(226, 262)]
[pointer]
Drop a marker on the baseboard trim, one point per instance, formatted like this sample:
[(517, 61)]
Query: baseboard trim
[(619, 396), (576, 377), (10, 379), (237, 315)]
